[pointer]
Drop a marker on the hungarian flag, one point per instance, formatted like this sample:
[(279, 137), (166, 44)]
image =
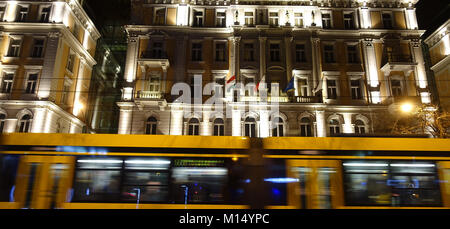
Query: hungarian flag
[(263, 80), (231, 83)]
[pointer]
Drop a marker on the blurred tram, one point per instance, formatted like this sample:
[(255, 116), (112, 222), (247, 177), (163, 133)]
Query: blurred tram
[(81, 171)]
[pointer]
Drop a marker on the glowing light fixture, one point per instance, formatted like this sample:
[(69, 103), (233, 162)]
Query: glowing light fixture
[(406, 107)]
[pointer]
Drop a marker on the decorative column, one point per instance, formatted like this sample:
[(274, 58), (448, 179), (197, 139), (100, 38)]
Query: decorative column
[(320, 123), (370, 65), (265, 127), (39, 118), (411, 19), (77, 106), (420, 73), (10, 125), (126, 116), (348, 127), (366, 22), (262, 57), (236, 122), (130, 67), (236, 47), (205, 126), (176, 120)]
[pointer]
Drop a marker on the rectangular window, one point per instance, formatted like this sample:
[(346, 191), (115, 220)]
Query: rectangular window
[(391, 183), (76, 30), (302, 85), (160, 16), (196, 52), (157, 50), (22, 13), (249, 18), (38, 48), (155, 82), (396, 86), (387, 20), (2, 12), (298, 19), (274, 52), (332, 89), (249, 52), (329, 54), (326, 20), (219, 129), (356, 89), (352, 54), (198, 18), (273, 18), (221, 19), (31, 83), (220, 52), (66, 92), (45, 14), (14, 47), (349, 22), (300, 53), (7, 83), (219, 86)]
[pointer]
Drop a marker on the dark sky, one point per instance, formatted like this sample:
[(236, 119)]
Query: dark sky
[(432, 13)]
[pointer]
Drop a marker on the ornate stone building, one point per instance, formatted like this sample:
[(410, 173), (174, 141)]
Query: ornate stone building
[(46, 54), (350, 64)]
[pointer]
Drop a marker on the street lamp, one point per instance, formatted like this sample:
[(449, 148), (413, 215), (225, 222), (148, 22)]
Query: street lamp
[(406, 107)]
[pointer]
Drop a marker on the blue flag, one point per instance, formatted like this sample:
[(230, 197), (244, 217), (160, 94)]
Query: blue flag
[(290, 86)]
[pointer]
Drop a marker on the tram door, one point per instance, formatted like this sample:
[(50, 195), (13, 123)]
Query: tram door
[(444, 177), (318, 184), (43, 182)]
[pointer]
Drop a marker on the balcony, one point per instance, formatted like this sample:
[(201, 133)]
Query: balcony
[(305, 99), (402, 63), (154, 55), (149, 95)]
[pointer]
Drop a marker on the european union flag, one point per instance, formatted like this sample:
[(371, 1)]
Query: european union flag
[(290, 86)]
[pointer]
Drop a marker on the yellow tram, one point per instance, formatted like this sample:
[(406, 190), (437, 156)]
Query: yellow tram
[(80, 171)]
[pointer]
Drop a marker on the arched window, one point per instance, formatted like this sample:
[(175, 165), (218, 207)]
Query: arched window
[(25, 123), (150, 126), (305, 127), (219, 127), (278, 127), (194, 126), (360, 127), (2, 122), (250, 127), (334, 127)]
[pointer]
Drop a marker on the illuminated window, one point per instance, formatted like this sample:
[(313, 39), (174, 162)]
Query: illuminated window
[(220, 19), (298, 19), (332, 89), (31, 83), (396, 87), (198, 18), (302, 86), (45, 14), (219, 127), (250, 127), (7, 82), (38, 48), (334, 127), (249, 18), (360, 127), (349, 22), (14, 47), (326, 20), (160, 16), (305, 127), (150, 126), (355, 86), (155, 81), (273, 18), (22, 13), (66, 91), (25, 123), (278, 127), (193, 127)]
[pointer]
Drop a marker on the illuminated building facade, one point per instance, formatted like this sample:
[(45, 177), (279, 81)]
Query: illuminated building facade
[(47, 54), (439, 50), (350, 64)]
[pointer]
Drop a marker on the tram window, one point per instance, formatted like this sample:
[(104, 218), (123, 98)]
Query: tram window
[(147, 164), (146, 186), (391, 183), (99, 163), (199, 184), (8, 169), (96, 185)]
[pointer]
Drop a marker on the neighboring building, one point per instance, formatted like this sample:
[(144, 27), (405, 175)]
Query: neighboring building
[(351, 63), (104, 92), (439, 50), (47, 50)]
